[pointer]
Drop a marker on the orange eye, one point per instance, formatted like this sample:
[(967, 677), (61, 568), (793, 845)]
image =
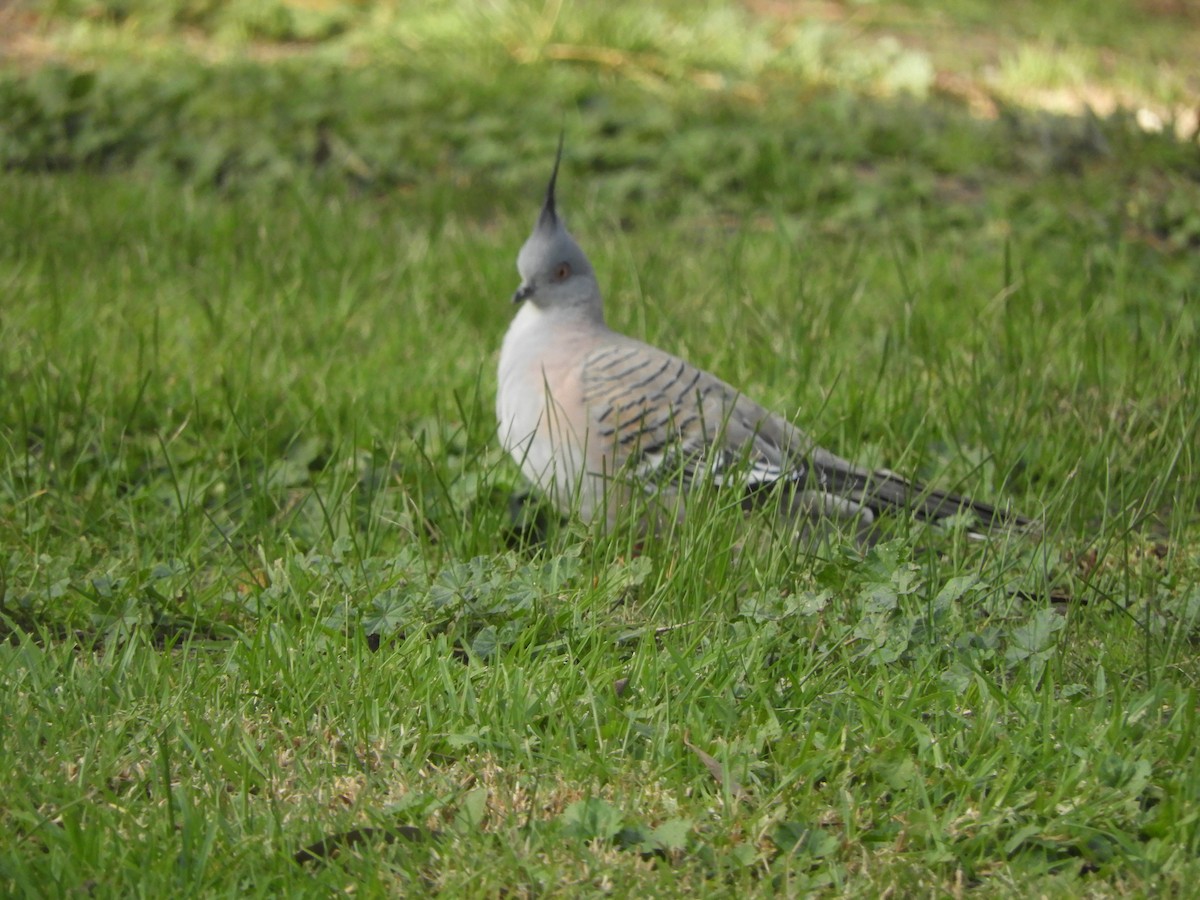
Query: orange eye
[(562, 272)]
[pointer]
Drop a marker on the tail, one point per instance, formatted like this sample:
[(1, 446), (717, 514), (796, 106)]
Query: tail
[(839, 485)]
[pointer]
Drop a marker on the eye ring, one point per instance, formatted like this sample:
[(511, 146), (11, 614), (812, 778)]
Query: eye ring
[(562, 272)]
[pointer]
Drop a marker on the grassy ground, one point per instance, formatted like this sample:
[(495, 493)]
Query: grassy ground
[(264, 591)]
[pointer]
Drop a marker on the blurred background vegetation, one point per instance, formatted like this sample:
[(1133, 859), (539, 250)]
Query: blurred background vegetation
[(738, 104)]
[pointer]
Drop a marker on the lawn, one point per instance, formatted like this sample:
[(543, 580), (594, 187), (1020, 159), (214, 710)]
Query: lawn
[(278, 615)]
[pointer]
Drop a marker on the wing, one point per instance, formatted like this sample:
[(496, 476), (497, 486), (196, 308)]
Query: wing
[(658, 417), (662, 420)]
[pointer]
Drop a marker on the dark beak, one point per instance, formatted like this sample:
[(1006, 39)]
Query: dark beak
[(523, 293)]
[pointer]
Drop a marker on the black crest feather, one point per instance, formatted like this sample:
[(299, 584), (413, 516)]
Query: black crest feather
[(549, 216)]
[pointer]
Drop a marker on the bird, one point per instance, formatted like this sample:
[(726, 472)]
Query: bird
[(600, 422)]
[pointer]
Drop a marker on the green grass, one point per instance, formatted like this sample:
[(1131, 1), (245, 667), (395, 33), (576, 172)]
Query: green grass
[(263, 583)]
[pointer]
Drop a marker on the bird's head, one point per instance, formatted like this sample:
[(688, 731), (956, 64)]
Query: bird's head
[(555, 272)]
